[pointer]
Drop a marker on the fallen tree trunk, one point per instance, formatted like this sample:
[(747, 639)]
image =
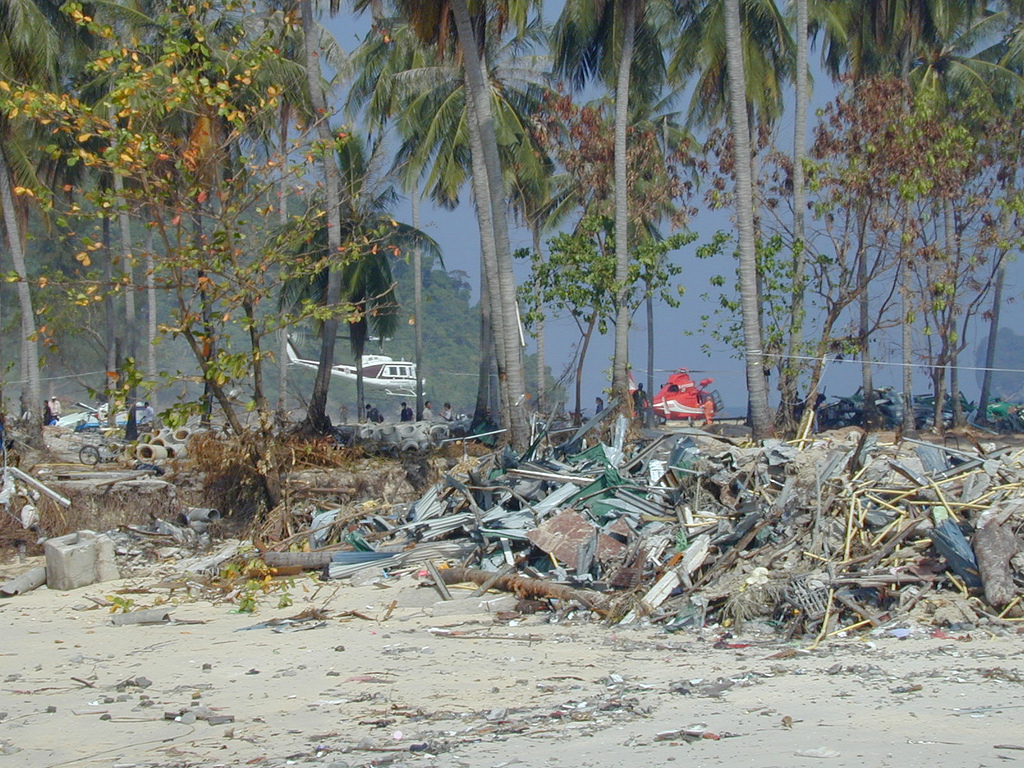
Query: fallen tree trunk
[(526, 588), (994, 546)]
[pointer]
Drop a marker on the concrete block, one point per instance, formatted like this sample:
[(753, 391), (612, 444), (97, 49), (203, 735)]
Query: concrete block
[(79, 559)]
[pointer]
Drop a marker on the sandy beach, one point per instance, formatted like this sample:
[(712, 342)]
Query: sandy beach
[(372, 677)]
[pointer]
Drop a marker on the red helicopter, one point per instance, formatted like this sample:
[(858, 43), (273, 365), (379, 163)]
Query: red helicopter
[(679, 399)]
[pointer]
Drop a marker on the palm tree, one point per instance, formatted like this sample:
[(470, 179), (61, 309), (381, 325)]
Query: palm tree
[(789, 368), (699, 56), (370, 239), (37, 42), (760, 415), (602, 40), (316, 413), (424, 95), (459, 34)]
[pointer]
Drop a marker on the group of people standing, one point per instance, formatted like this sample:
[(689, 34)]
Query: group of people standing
[(446, 413), (406, 413), (641, 404)]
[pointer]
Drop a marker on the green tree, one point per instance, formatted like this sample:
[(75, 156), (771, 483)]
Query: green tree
[(578, 278), (201, 195)]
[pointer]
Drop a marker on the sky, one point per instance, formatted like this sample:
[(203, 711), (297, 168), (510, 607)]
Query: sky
[(679, 338)]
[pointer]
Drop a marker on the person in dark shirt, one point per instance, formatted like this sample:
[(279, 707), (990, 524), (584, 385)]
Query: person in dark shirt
[(641, 405), (407, 414)]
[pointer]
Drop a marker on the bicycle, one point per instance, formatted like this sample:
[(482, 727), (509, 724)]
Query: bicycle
[(104, 453)]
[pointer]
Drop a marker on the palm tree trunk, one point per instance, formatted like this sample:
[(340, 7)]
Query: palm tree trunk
[(31, 391), (511, 379), (492, 329), (948, 347), (756, 386), (151, 365), (650, 348), (360, 384), (480, 410), (316, 413), (417, 304), (863, 327), (491, 317), (620, 360), (542, 365), (789, 375)]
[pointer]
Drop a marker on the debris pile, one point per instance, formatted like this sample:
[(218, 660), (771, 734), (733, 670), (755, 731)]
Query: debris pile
[(687, 528), (680, 528)]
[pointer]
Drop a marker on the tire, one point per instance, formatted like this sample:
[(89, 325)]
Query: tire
[(89, 455)]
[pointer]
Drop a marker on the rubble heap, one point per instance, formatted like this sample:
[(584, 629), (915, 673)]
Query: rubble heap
[(687, 528), (682, 529)]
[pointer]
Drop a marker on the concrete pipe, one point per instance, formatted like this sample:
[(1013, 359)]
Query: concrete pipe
[(182, 434), (150, 452), (406, 429), (199, 518), (410, 446), (176, 451), (158, 440), (203, 514)]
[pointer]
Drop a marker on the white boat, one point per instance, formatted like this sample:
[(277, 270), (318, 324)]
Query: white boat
[(395, 377)]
